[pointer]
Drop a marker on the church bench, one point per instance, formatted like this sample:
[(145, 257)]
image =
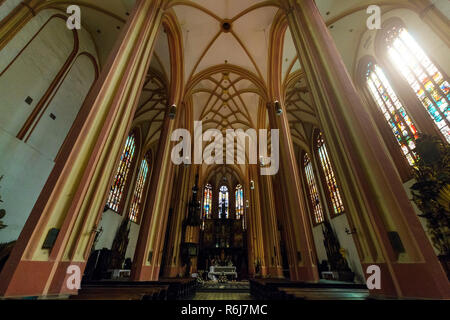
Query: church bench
[(108, 296), (177, 288), (261, 289), (180, 288), (282, 289), (148, 292), (325, 294)]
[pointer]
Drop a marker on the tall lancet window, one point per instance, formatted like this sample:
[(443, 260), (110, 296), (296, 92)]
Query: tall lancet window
[(239, 202), (207, 201), (422, 75), (136, 201), (118, 186), (335, 196), (393, 111), (223, 202), (313, 191)]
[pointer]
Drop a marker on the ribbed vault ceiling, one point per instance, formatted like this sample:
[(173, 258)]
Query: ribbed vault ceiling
[(226, 99)]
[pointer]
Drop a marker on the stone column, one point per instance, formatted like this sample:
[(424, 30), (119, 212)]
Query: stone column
[(389, 233), (181, 200), (74, 196), (270, 229), (255, 230), (302, 254), (147, 257)]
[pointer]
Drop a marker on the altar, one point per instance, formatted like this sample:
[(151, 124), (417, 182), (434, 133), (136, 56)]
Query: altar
[(217, 272)]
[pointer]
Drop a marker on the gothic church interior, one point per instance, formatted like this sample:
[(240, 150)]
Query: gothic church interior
[(359, 117)]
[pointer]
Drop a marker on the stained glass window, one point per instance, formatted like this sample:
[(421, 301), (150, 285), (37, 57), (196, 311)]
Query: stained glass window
[(313, 192), (393, 111), (239, 202), (422, 75), (223, 202), (335, 196), (136, 201), (207, 200), (118, 186)]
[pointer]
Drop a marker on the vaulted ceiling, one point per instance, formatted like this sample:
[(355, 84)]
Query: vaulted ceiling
[(226, 56)]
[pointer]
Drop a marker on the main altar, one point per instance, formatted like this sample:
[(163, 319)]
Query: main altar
[(223, 254)]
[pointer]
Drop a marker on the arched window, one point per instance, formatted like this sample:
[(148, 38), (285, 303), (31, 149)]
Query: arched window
[(223, 202), (422, 75), (118, 186), (239, 201), (207, 201), (136, 201), (393, 111), (335, 196), (313, 191)]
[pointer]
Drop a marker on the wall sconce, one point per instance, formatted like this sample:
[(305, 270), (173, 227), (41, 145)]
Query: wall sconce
[(247, 204), (278, 108), (252, 185), (172, 111)]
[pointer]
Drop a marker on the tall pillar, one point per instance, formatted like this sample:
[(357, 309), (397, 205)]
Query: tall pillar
[(302, 254), (74, 196), (270, 229), (147, 257), (181, 199), (255, 235), (388, 231)]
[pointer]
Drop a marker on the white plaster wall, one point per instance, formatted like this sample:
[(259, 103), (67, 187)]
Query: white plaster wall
[(443, 6), (26, 166), (26, 171), (339, 224), (110, 223), (318, 242), (49, 134), (32, 72)]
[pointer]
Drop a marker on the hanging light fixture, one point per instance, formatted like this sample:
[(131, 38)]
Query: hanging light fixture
[(278, 108), (172, 111)]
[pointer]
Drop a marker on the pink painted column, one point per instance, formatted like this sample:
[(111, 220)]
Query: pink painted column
[(300, 241), (147, 257)]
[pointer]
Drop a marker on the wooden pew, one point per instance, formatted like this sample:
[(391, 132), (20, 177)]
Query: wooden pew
[(282, 289), (141, 292), (325, 294), (108, 296), (177, 288)]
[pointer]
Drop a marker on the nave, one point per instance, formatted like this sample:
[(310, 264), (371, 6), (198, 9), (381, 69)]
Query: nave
[(166, 147)]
